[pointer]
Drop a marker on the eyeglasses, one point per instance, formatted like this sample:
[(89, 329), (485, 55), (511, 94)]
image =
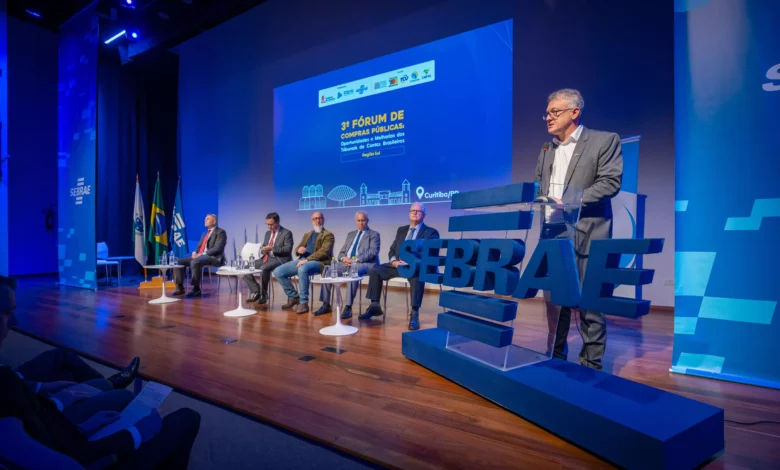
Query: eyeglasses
[(555, 113), (415, 211), (317, 218)]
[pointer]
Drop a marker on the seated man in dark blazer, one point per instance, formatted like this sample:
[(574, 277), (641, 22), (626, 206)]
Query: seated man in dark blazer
[(276, 250), (152, 442), (210, 252), (362, 246), (416, 230)]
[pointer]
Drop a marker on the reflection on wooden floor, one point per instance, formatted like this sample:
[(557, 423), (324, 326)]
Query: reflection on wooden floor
[(368, 400)]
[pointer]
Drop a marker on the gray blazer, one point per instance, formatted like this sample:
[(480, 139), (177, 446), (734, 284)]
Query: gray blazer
[(283, 244), (596, 166), (368, 248)]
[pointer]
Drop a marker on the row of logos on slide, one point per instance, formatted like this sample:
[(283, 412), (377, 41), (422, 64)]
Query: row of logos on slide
[(381, 83)]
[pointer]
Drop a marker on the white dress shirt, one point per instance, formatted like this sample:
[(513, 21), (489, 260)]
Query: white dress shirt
[(354, 241), (563, 154)]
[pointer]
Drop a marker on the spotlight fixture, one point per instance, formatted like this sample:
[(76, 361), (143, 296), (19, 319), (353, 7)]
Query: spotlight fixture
[(134, 35), (115, 37), (129, 2)]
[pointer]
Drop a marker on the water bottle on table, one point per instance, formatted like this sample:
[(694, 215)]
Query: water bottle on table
[(164, 259), (251, 265)]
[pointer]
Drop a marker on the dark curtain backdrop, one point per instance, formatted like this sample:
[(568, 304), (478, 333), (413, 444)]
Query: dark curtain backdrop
[(137, 135)]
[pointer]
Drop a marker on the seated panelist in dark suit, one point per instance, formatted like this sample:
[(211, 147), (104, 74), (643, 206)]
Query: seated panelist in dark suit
[(276, 250), (210, 252), (416, 230)]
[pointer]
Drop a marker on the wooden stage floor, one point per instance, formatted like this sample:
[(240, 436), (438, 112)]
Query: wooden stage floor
[(369, 401)]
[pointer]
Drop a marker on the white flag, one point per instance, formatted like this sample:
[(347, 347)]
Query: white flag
[(139, 226)]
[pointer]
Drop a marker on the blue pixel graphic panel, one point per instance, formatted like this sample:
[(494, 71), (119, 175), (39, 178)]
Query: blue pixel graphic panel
[(77, 150), (727, 91)]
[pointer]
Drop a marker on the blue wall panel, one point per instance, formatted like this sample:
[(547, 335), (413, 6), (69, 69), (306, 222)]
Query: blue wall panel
[(727, 92), (77, 155)]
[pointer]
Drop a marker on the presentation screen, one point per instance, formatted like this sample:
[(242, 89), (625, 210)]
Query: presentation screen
[(417, 125)]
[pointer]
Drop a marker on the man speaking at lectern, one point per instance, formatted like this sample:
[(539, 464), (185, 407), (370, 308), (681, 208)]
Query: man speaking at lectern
[(592, 161)]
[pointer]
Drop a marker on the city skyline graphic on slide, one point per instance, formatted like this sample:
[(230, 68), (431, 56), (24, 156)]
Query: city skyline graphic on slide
[(313, 198)]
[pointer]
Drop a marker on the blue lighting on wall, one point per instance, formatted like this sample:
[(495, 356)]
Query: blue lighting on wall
[(134, 34), (33, 13)]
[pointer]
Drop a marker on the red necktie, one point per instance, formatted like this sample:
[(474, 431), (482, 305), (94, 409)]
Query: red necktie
[(273, 237), (203, 245)]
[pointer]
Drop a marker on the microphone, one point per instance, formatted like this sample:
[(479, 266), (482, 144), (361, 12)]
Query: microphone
[(545, 149)]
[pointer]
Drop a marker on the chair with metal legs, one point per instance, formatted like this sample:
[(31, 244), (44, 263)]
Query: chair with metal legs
[(406, 294)]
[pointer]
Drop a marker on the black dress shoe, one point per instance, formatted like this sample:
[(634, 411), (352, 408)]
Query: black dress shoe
[(126, 376), (253, 297), (179, 290), (262, 299), (373, 311), (291, 302), (194, 293), (323, 310), (414, 321), (347, 312)]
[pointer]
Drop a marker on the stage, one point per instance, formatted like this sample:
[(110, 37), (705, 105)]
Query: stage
[(358, 393)]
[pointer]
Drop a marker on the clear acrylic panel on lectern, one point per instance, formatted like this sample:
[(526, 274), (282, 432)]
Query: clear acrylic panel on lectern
[(537, 319)]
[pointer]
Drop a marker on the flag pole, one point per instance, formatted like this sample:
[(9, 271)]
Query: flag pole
[(146, 277)]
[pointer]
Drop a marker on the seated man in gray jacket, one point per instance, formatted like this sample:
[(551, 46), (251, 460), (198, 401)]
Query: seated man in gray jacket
[(361, 247)]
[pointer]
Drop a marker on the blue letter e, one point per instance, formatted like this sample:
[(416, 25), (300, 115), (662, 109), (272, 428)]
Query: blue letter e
[(604, 273)]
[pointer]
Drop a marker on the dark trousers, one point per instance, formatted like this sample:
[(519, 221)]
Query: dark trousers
[(196, 267), (58, 364), (265, 276), (171, 447), (109, 400), (593, 329), (382, 272)]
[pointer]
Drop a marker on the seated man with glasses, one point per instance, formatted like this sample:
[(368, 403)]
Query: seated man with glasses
[(315, 252), (276, 250), (416, 230)]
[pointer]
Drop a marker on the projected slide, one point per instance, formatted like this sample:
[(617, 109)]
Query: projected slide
[(417, 125)]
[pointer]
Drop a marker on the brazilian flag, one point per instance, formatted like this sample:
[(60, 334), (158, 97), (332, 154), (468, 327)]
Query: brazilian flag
[(158, 230)]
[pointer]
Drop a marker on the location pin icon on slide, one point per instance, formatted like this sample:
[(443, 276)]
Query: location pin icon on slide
[(420, 192)]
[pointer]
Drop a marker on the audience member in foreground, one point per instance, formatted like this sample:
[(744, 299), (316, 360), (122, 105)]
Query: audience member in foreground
[(31, 424)]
